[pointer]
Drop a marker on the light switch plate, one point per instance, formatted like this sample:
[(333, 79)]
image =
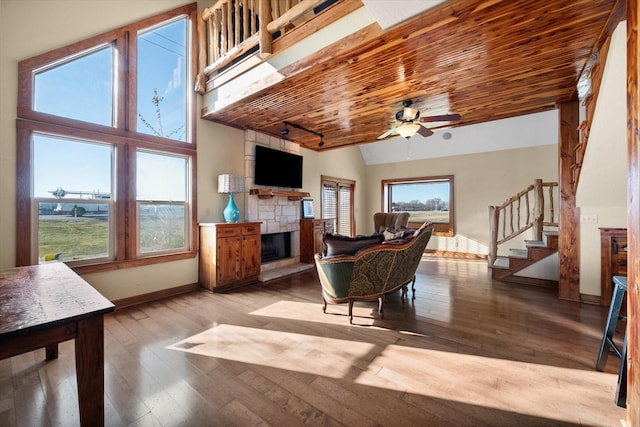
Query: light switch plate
[(589, 219)]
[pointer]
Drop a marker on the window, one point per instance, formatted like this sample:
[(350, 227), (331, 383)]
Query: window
[(106, 151), (337, 203), (426, 199), (161, 197)]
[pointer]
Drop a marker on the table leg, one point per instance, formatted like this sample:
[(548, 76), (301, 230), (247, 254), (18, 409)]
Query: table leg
[(90, 371), (51, 351)]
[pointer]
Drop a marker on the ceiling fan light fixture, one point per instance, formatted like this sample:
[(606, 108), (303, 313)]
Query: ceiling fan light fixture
[(407, 130), (410, 113)]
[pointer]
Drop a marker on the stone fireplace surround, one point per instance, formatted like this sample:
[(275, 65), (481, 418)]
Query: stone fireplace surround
[(277, 214)]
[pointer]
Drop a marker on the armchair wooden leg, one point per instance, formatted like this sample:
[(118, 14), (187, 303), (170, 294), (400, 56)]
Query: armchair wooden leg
[(351, 311), (413, 287), (324, 305), (381, 306)]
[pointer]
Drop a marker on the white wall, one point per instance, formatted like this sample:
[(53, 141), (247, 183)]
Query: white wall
[(480, 180), (602, 188)]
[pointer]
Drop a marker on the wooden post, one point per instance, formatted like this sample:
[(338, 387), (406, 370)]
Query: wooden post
[(237, 23), (493, 235), (633, 217), (265, 37), (569, 224), (538, 209), (202, 55)]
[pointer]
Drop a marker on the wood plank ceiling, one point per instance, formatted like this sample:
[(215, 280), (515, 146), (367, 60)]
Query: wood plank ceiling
[(483, 59)]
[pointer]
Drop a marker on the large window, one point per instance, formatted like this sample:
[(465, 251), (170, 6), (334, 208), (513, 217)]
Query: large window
[(337, 203), (106, 148), (425, 198)]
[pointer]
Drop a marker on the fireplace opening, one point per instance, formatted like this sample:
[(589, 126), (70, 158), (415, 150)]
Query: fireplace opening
[(275, 246)]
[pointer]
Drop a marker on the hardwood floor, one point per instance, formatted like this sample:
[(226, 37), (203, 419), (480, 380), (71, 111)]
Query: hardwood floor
[(466, 351)]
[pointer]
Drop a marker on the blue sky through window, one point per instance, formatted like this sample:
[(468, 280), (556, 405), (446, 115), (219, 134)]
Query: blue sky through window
[(162, 70), (420, 192), (84, 88)]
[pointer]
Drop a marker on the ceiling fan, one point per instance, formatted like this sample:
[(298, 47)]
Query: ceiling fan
[(410, 122)]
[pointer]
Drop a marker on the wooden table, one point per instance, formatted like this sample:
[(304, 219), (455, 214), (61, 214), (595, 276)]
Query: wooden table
[(43, 305)]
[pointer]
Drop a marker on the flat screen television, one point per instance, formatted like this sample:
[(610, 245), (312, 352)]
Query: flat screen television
[(277, 168)]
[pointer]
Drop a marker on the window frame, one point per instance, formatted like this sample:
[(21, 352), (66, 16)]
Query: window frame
[(123, 136), (440, 229)]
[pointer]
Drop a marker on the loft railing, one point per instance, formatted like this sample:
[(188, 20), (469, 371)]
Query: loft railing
[(532, 208), (229, 29)]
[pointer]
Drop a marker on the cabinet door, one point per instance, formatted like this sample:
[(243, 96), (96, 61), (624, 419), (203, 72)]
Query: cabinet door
[(228, 260), (251, 256)]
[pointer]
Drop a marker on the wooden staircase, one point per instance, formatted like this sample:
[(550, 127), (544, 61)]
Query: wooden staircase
[(531, 210), (505, 268)]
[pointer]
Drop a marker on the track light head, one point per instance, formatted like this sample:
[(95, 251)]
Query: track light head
[(285, 131)]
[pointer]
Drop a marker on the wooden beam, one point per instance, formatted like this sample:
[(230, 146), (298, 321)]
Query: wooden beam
[(290, 15), (569, 226), (633, 217)]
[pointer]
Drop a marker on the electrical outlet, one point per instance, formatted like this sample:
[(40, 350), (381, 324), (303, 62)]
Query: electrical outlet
[(589, 219)]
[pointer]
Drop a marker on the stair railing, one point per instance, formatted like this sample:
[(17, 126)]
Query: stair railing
[(532, 208)]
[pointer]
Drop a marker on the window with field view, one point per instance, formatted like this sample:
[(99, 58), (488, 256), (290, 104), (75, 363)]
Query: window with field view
[(425, 198), (73, 199), (95, 191)]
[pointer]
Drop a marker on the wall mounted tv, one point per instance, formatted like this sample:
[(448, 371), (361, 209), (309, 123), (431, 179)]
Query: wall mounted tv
[(277, 168)]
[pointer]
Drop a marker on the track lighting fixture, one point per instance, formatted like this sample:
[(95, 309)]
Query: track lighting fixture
[(285, 131)]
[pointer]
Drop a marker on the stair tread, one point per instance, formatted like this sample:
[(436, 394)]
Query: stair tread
[(537, 243), (501, 262), (518, 253)]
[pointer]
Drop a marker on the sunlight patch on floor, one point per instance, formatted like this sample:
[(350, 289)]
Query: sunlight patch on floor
[(497, 383), (282, 350)]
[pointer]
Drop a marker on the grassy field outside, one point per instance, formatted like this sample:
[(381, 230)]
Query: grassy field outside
[(69, 238), (433, 216)]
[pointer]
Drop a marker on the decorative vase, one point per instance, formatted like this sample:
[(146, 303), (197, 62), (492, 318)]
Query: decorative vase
[(231, 212)]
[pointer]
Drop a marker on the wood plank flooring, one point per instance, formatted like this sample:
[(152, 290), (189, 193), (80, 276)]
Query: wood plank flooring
[(467, 351)]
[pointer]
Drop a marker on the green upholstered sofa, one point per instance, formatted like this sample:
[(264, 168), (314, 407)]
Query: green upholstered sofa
[(372, 272)]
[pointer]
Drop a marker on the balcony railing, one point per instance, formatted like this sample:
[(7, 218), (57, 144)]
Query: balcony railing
[(231, 29)]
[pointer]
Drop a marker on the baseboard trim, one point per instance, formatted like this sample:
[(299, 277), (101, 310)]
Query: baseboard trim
[(590, 299), (453, 254), (532, 281), (154, 296)]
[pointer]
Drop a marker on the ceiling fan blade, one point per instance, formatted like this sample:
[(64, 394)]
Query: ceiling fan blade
[(442, 118), (425, 131), (388, 133)]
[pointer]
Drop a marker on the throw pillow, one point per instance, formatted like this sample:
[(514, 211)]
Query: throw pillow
[(390, 234), (335, 244)]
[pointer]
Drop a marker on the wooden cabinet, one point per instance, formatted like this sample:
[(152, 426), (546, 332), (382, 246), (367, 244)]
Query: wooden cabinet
[(613, 251), (229, 255), (311, 232)]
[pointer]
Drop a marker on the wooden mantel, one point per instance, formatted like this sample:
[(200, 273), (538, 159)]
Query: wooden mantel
[(267, 193)]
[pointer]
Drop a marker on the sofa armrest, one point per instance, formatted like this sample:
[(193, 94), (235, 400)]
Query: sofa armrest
[(335, 275)]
